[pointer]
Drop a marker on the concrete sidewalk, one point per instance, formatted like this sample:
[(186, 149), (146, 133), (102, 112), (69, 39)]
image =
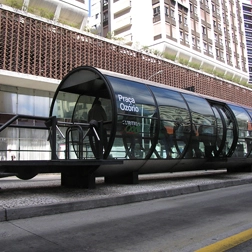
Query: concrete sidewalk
[(43, 195)]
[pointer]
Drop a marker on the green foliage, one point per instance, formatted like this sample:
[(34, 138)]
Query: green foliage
[(207, 70), (183, 61), (228, 77), (146, 49), (169, 56), (118, 38), (17, 4), (236, 80), (41, 12), (110, 35), (157, 53), (218, 73), (69, 24), (46, 14), (194, 65), (245, 83)]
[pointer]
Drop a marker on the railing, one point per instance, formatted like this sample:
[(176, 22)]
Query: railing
[(52, 125)]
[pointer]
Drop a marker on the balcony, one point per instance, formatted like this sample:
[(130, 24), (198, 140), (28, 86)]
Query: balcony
[(122, 23), (184, 3), (121, 6), (71, 13), (128, 40)]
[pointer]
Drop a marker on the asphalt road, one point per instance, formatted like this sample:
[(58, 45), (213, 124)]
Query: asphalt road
[(182, 223)]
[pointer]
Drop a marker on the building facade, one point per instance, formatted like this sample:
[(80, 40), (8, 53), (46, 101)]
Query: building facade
[(208, 33), (73, 13), (247, 12), (36, 53)]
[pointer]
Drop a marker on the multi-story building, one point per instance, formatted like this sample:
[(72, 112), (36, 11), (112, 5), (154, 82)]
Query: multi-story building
[(73, 13), (36, 53), (247, 13), (208, 33)]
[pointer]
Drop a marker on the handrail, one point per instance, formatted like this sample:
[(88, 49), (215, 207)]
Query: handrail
[(52, 124), (8, 123)]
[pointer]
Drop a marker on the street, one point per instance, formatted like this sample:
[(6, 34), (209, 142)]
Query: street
[(182, 223)]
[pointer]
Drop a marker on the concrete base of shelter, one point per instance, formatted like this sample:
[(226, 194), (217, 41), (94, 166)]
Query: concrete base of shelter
[(78, 180), (129, 178), (247, 168)]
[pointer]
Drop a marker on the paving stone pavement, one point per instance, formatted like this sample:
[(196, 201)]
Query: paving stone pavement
[(44, 195)]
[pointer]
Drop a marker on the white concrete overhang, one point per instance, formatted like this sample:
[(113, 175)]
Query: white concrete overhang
[(28, 81)]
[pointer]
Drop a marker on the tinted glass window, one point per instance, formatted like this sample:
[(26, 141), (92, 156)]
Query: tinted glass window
[(200, 109), (64, 105), (132, 97), (244, 131), (249, 142), (203, 129), (135, 107), (8, 102), (173, 114), (242, 118)]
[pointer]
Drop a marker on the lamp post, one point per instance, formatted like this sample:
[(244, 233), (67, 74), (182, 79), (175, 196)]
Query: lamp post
[(160, 71)]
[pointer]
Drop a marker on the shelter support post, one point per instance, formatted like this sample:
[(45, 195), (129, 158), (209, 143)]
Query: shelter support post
[(78, 180), (130, 178)]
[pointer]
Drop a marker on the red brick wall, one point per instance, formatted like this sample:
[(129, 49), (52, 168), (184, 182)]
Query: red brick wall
[(34, 47)]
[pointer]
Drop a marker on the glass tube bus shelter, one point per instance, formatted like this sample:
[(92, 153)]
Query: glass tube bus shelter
[(152, 127)]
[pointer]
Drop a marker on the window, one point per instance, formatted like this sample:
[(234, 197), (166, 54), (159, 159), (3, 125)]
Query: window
[(156, 11), (105, 16), (213, 7), (205, 46), (181, 35), (185, 21), (193, 41), (180, 18), (166, 10), (210, 49), (186, 38), (217, 53), (195, 9), (191, 8), (203, 30), (172, 13), (215, 37)]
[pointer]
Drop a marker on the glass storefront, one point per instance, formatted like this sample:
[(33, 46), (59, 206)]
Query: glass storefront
[(24, 143)]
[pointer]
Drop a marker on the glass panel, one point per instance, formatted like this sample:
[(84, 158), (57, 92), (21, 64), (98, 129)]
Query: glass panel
[(248, 139), (84, 114), (173, 113), (229, 137), (219, 131), (63, 109), (135, 107), (9, 144), (8, 102), (244, 133), (24, 144), (64, 105), (33, 145), (42, 103), (25, 102), (203, 128)]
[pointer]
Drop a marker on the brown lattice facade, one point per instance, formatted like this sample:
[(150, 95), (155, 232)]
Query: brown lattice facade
[(32, 46)]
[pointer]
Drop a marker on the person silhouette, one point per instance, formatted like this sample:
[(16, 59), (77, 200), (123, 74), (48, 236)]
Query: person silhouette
[(98, 114)]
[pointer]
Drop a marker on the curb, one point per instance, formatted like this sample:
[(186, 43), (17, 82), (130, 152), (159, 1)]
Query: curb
[(42, 210)]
